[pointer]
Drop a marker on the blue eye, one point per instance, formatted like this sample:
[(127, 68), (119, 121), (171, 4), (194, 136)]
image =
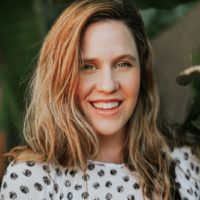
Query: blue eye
[(123, 64), (88, 67)]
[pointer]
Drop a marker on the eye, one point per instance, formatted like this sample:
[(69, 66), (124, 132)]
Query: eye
[(88, 67), (123, 64)]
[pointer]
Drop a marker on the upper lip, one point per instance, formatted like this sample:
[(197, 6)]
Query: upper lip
[(106, 100)]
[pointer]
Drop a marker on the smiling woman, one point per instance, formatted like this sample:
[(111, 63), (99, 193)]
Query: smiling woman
[(92, 122), (109, 83)]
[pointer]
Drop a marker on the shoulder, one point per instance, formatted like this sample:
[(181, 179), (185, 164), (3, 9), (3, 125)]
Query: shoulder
[(26, 180), (184, 156), (187, 172), (186, 160)]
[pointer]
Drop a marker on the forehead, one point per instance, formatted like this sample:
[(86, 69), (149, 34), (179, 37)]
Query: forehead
[(108, 37)]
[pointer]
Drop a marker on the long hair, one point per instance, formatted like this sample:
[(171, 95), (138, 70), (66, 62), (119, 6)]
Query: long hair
[(55, 129)]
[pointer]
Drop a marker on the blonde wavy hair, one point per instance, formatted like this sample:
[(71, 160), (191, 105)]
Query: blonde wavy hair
[(54, 128)]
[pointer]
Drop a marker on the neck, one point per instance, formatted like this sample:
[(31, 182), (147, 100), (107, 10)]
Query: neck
[(111, 148)]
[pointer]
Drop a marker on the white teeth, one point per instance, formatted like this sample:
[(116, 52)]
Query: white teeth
[(101, 105)]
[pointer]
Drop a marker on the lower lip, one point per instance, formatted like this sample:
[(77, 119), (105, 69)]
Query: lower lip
[(107, 112)]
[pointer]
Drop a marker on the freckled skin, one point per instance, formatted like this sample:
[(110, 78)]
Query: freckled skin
[(104, 44)]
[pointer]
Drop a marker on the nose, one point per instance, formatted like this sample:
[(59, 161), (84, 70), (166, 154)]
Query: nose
[(107, 82)]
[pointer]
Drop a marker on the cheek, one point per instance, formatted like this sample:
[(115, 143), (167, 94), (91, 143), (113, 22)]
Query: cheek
[(131, 84), (84, 87), (135, 84)]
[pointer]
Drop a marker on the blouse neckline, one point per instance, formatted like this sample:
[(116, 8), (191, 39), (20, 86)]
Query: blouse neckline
[(107, 164)]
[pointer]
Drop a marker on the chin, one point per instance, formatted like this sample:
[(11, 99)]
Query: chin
[(108, 132), (108, 127)]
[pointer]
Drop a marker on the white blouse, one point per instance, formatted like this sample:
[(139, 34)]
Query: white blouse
[(105, 181)]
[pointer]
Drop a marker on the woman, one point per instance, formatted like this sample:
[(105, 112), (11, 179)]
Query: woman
[(92, 123)]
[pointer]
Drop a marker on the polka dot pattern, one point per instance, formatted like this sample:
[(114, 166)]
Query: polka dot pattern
[(187, 173), (106, 181)]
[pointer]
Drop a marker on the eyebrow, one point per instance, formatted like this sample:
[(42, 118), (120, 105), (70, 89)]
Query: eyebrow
[(130, 57)]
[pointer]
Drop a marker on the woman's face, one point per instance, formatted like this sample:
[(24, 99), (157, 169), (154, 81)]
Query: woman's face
[(109, 80)]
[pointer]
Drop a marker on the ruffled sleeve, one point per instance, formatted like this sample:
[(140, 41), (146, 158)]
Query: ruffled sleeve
[(187, 173)]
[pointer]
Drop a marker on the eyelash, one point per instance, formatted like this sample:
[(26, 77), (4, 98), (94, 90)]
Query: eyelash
[(88, 67), (91, 67), (124, 64)]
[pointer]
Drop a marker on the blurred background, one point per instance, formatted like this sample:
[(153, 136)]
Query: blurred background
[(173, 28)]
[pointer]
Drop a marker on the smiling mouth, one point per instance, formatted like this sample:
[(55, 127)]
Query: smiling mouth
[(106, 105)]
